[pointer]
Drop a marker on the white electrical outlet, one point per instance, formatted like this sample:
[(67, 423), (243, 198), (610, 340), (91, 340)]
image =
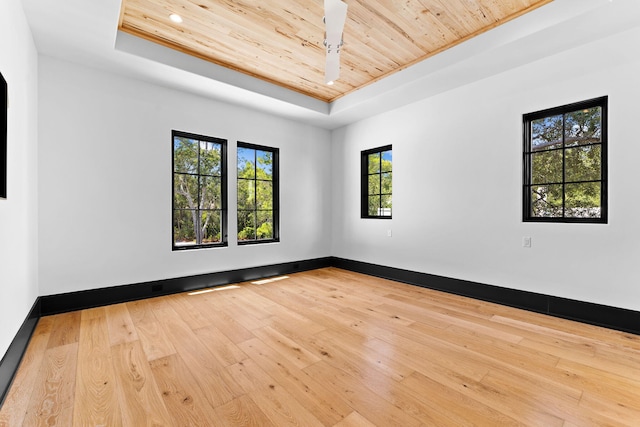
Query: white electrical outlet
[(389, 233), (526, 242)]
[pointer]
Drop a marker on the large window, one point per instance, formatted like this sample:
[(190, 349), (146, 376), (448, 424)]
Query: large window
[(565, 163), (199, 191), (257, 194), (376, 167)]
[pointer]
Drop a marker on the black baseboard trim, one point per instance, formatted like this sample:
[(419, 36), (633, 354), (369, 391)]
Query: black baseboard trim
[(619, 319), (62, 303), (12, 358)]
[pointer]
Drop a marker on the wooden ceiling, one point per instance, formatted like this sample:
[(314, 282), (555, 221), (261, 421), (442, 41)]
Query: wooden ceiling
[(281, 41)]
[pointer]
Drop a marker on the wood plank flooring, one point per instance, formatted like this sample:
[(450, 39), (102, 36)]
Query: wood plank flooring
[(322, 348)]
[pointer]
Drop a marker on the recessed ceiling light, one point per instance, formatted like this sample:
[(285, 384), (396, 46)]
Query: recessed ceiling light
[(330, 83), (175, 18)]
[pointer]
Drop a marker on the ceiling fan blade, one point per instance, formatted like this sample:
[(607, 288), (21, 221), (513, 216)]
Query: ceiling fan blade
[(335, 16), (332, 67)]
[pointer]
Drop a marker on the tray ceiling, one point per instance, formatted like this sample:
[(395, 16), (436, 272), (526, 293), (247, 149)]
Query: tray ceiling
[(281, 41)]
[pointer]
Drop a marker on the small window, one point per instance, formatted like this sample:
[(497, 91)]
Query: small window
[(199, 191), (258, 197), (376, 182), (565, 163)]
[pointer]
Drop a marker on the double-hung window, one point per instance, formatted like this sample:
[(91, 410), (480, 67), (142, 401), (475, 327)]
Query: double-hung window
[(199, 191), (258, 194), (565, 163), (376, 182)]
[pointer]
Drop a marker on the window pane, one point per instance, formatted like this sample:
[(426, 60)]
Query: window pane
[(185, 190), (374, 205), (265, 165), (265, 225), (185, 155), (211, 197), (385, 209), (246, 225), (546, 133), (374, 184), (583, 127), (546, 201), (210, 158), (246, 163), (373, 161), (211, 224), (183, 229), (246, 194), (546, 167), (264, 195), (583, 163), (387, 163), (386, 183), (583, 200)]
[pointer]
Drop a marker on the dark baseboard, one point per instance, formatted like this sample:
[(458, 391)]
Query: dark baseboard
[(61, 303), (12, 358), (595, 314)]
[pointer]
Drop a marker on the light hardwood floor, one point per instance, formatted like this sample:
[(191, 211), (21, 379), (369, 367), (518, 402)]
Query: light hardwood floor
[(322, 348)]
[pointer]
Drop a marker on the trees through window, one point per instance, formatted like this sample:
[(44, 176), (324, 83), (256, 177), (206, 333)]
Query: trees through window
[(565, 167), (199, 191), (257, 194), (376, 187)]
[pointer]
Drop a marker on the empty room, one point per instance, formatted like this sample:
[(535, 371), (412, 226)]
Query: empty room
[(319, 213)]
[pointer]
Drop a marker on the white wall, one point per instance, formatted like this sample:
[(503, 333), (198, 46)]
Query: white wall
[(18, 213), (457, 182), (105, 180)]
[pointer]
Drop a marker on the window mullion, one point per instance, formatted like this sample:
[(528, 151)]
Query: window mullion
[(564, 167), (255, 193), (380, 184), (198, 215)]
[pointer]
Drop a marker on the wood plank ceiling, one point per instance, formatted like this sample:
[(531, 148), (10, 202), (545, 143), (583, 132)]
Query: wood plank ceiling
[(281, 41)]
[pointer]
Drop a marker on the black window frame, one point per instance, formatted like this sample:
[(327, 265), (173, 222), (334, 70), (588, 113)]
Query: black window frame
[(364, 185), (223, 190), (4, 104), (275, 180), (527, 209)]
